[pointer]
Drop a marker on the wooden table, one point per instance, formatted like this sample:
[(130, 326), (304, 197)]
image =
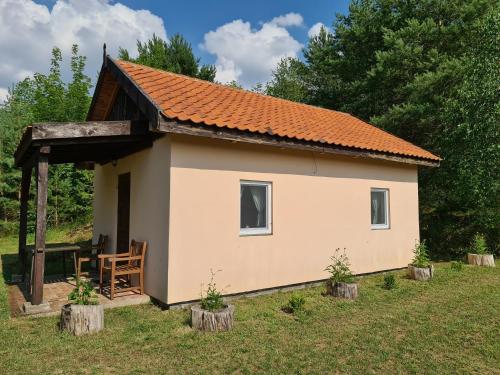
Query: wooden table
[(62, 248)]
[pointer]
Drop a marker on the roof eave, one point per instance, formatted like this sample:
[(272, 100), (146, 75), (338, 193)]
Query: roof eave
[(234, 135)]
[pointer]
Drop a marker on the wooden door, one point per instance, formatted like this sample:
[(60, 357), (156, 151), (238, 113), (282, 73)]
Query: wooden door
[(123, 213)]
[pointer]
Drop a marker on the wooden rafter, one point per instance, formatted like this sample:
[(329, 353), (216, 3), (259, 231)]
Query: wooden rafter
[(111, 74)]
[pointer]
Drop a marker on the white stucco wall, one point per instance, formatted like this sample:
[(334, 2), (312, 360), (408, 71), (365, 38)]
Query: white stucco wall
[(320, 202), (185, 196), (149, 208)]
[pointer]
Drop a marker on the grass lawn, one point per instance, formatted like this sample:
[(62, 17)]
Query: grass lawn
[(448, 325)]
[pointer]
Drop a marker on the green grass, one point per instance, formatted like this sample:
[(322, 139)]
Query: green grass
[(53, 264), (446, 326)]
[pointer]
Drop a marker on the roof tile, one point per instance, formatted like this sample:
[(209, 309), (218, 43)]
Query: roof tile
[(190, 99)]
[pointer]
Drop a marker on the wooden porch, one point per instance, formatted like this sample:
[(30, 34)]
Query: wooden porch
[(84, 144), (55, 292)]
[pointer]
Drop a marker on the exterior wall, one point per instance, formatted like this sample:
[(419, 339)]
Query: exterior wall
[(149, 208), (319, 203)]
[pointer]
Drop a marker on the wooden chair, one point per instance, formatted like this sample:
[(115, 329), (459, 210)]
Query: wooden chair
[(124, 264), (100, 246)]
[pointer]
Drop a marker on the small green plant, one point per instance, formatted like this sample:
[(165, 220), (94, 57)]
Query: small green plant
[(296, 303), (212, 301), (479, 245), (340, 268), (457, 265), (296, 306), (389, 282), (421, 258), (83, 294)]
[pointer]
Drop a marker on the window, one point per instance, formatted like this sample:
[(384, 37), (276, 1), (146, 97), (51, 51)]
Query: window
[(255, 208), (380, 208)]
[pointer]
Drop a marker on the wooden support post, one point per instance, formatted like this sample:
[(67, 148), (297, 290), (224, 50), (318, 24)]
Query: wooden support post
[(23, 218), (42, 168)]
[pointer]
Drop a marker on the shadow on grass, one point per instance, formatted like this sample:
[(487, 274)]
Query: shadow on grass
[(10, 266), (55, 263), (186, 321)]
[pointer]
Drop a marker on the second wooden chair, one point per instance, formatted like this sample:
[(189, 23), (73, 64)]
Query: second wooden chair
[(99, 248), (123, 266)]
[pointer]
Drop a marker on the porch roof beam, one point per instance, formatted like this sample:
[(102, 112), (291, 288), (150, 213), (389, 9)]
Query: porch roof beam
[(79, 133)]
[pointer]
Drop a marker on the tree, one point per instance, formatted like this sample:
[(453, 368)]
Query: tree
[(15, 113), (77, 96), (207, 73), (425, 71), (175, 55), (288, 80), (465, 189), (325, 84), (234, 84), (38, 99), (258, 88), (364, 66)]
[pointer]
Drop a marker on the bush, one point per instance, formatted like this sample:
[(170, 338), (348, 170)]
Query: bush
[(8, 228), (457, 265), (212, 301), (389, 282), (478, 245), (340, 268), (83, 294), (421, 257), (296, 303)]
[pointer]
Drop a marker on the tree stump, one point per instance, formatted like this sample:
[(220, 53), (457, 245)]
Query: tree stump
[(343, 290), (82, 319), (486, 260), (421, 274), (474, 259), (204, 320)]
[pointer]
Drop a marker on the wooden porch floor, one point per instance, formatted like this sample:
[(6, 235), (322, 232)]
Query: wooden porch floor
[(56, 290)]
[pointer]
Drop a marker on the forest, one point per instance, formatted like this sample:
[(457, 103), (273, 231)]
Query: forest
[(427, 71)]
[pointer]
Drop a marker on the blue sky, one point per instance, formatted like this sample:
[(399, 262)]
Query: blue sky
[(244, 39), (194, 18)]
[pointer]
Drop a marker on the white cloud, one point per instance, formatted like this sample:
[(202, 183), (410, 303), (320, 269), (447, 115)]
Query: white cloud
[(289, 19), (316, 28), (28, 31), (249, 55), (3, 94)]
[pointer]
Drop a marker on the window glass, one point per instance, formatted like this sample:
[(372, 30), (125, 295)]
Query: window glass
[(379, 214), (253, 206)]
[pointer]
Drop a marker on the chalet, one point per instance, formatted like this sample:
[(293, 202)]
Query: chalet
[(218, 178)]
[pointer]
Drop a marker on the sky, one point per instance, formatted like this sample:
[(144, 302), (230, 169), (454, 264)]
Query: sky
[(244, 39)]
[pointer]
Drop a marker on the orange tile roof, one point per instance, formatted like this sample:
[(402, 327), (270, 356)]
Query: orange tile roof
[(189, 99)]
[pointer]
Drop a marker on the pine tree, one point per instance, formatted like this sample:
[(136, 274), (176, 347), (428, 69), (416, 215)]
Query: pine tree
[(426, 71), (288, 80), (175, 55)]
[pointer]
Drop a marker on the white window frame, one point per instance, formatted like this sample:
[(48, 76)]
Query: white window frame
[(386, 225), (259, 231)]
